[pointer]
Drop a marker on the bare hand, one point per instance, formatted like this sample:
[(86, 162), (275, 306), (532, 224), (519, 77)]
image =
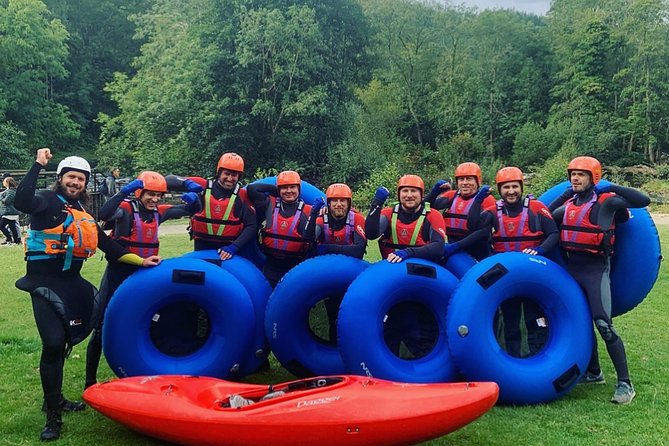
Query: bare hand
[(151, 261), (530, 251), (43, 156), (394, 258)]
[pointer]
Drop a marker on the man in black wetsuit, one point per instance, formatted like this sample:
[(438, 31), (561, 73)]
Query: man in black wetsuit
[(586, 214), (62, 235)]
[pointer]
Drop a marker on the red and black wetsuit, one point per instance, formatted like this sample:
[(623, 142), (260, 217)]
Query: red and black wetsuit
[(595, 215)]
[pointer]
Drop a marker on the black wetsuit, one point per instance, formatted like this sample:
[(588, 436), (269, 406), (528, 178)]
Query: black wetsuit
[(65, 305), (591, 271)]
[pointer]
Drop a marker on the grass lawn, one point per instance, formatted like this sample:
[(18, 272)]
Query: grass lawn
[(584, 417)]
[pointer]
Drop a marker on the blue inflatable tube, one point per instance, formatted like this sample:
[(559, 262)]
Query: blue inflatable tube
[(184, 316), (637, 255), (259, 290), (555, 369), (308, 192), (363, 315), (459, 263), (287, 327)]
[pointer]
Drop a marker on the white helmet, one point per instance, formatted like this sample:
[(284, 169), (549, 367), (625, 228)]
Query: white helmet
[(74, 163)]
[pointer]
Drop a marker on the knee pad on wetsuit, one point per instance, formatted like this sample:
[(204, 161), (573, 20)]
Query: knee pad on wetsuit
[(606, 331)]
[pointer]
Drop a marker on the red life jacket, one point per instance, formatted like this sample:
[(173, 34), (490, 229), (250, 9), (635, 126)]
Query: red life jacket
[(457, 214), (403, 235), (514, 233), (75, 238), (143, 237), (345, 235), (217, 221), (578, 233), (282, 239)]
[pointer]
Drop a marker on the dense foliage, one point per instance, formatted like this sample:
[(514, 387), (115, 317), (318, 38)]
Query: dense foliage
[(341, 90)]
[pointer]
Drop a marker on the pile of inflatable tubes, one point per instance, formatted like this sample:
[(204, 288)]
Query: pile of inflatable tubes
[(414, 321)]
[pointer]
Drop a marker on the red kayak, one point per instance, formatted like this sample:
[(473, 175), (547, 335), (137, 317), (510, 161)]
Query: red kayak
[(327, 410)]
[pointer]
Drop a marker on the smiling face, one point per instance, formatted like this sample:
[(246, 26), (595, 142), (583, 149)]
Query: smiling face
[(338, 207), (410, 198), (72, 183), (228, 179), (580, 180), (150, 199), (289, 193), (467, 186), (511, 191)]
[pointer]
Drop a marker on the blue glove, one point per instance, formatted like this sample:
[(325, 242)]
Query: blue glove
[(230, 249), (190, 198), (192, 186), (321, 249), (483, 193), (402, 253), (381, 194), (317, 205), (132, 186), (437, 188), (450, 249)]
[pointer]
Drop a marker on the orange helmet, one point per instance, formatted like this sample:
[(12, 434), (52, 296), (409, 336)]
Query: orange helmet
[(588, 164), (338, 190), (230, 161), (506, 174), (411, 181), (469, 170), (153, 181), (287, 178)]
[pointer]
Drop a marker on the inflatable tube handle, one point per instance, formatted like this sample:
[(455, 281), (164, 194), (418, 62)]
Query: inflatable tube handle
[(217, 262), (188, 277), (565, 380), (490, 277), (417, 269)]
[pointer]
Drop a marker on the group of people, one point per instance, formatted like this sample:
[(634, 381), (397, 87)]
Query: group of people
[(228, 218)]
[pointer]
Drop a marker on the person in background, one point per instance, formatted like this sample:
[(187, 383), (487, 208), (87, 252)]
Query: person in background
[(136, 214), (108, 188), (587, 214), (285, 215), (10, 215), (226, 220), (461, 209), (61, 237), (520, 224)]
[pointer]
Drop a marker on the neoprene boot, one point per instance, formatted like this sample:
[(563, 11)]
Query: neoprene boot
[(53, 425), (67, 405)]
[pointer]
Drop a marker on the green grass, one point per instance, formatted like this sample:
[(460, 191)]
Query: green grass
[(583, 417)]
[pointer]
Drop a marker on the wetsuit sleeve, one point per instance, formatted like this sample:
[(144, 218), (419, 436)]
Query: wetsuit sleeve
[(357, 249), (26, 200), (559, 201), (434, 250), (250, 223), (310, 228), (550, 230), (440, 203), (112, 250), (176, 183), (258, 194), (111, 210), (171, 212), (375, 223), (625, 197), (557, 214), (475, 236)]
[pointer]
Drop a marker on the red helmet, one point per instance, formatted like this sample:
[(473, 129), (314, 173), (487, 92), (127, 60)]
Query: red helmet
[(411, 181), (338, 190), (588, 164), (153, 181), (506, 174), (230, 161), (287, 178), (469, 170)]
